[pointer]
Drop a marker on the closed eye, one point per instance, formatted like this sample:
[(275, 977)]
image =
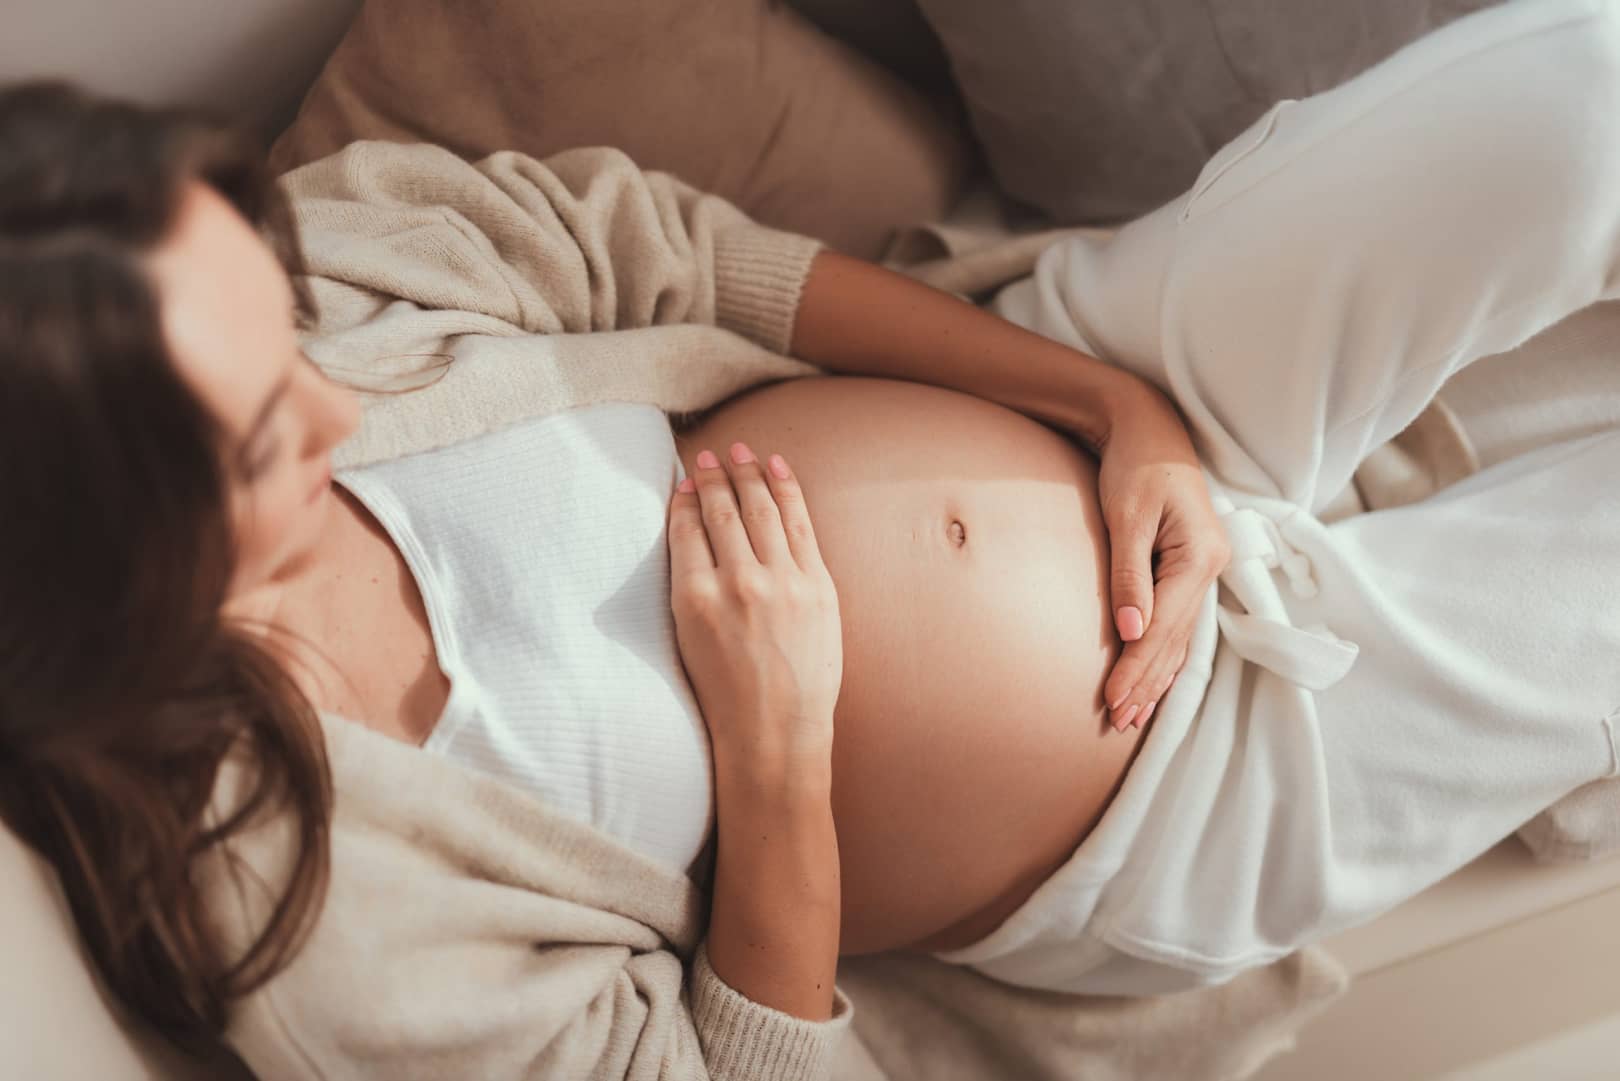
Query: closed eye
[(264, 461)]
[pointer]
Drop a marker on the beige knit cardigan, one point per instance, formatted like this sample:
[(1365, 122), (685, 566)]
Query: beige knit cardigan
[(469, 930)]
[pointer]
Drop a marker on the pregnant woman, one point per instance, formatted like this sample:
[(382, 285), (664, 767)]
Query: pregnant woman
[(195, 575), (1356, 717)]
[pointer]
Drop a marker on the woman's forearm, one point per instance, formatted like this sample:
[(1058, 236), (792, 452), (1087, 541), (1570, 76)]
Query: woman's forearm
[(774, 924), (857, 318)]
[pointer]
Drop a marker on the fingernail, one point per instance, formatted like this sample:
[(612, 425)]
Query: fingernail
[(779, 466), (741, 454), (1146, 713), (1130, 623), (1119, 699), (1125, 719), (707, 460), (687, 484)]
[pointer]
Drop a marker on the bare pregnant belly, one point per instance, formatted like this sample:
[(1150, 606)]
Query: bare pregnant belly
[(972, 752)]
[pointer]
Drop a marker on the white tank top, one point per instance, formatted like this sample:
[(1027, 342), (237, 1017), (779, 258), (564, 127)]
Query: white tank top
[(541, 556)]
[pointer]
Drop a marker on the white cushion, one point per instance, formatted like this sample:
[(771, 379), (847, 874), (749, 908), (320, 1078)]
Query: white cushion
[(57, 1024)]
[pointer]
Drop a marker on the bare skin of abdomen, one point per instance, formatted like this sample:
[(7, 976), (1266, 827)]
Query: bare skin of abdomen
[(971, 751)]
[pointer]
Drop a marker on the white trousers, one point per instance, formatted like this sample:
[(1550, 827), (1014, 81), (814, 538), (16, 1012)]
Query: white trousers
[(1366, 706)]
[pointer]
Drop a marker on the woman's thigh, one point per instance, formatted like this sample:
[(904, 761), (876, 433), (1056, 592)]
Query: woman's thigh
[(1336, 263), (1488, 683)]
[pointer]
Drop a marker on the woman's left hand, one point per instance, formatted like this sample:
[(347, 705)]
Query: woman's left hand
[(857, 318), (1167, 546)]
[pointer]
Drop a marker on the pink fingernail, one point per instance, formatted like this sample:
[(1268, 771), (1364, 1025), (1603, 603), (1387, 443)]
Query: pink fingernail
[(1151, 706), (1125, 719), (1119, 699), (1130, 623), (707, 460)]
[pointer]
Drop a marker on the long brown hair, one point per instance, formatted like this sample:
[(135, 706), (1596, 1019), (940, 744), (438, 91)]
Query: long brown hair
[(122, 688)]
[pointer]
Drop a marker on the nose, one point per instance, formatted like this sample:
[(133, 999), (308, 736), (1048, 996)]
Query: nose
[(347, 412), (334, 413)]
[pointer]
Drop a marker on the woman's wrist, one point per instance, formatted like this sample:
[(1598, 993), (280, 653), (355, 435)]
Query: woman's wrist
[(1099, 398), (775, 915), (774, 780), (856, 318)]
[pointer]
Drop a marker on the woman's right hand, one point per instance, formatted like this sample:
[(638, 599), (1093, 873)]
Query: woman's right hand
[(756, 613)]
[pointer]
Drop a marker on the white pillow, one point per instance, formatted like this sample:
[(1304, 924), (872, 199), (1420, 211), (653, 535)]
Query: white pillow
[(58, 1024)]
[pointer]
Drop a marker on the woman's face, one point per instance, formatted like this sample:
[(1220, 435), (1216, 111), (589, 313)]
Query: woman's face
[(228, 318)]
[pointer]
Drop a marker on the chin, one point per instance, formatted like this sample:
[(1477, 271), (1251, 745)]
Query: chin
[(301, 554)]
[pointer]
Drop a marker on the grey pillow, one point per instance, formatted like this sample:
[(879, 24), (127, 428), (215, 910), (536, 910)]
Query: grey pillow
[(1094, 111)]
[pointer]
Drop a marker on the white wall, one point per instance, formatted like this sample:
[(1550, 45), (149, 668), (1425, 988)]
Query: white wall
[(251, 57)]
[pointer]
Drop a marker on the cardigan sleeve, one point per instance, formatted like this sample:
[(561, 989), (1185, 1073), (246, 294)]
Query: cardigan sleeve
[(464, 930), (581, 241), (746, 1039), (596, 1014), (386, 1005)]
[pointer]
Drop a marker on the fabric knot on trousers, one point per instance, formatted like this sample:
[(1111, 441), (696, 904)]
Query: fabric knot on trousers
[(1263, 633)]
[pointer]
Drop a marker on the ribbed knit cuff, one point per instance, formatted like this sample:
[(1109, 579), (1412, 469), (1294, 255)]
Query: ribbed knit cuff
[(759, 274), (744, 1040)]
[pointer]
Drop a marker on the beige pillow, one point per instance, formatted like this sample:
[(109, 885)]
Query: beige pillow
[(743, 98), (892, 32)]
